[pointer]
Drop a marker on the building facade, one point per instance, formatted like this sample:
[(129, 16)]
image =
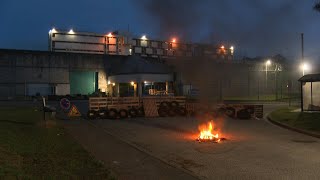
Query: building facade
[(122, 43)]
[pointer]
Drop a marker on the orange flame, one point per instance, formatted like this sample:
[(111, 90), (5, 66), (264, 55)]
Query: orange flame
[(206, 133)]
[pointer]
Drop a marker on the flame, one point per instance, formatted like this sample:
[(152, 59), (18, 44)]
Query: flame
[(206, 133)]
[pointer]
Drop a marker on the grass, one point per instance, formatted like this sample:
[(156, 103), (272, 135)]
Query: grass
[(301, 120), (29, 149)]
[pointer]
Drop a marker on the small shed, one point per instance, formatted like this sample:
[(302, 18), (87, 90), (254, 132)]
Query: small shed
[(310, 92)]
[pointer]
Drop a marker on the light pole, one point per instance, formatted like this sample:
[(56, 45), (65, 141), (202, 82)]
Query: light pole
[(268, 62)]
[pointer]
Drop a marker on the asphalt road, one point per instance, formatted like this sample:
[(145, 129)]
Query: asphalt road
[(255, 149), (165, 148)]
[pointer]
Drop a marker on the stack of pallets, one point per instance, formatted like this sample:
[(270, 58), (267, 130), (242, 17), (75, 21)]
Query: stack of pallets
[(150, 107)]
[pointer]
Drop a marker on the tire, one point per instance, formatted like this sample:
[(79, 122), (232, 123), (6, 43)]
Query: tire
[(133, 112), (103, 114), (181, 111), (174, 104), (92, 114), (171, 112), (243, 114), (231, 112), (163, 112), (140, 112), (164, 104), (112, 113), (123, 113)]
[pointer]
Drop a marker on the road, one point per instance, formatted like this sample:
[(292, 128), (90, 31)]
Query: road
[(255, 149)]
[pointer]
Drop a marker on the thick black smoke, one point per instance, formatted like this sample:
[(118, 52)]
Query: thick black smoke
[(260, 28), (256, 27)]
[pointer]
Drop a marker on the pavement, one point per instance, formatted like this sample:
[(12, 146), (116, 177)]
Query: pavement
[(125, 160), (165, 148)]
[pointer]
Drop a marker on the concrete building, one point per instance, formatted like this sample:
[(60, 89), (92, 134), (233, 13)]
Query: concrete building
[(30, 73), (122, 43)]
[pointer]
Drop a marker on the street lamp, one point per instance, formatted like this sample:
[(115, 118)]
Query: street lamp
[(144, 37), (268, 62), (305, 67)]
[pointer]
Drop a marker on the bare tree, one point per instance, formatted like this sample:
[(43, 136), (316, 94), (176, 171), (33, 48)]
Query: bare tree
[(317, 6)]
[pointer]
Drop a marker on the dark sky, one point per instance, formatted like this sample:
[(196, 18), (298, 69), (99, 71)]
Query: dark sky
[(255, 28)]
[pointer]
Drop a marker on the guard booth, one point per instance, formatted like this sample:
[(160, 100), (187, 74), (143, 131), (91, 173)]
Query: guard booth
[(310, 92)]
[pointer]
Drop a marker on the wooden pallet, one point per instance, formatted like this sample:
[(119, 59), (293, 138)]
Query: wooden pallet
[(180, 99), (258, 111), (96, 103), (150, 107)]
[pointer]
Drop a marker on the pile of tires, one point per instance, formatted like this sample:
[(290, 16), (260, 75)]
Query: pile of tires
[(171, 109), (113, 113), (243, 113)]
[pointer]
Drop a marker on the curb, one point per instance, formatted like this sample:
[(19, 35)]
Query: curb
[(293, 129)]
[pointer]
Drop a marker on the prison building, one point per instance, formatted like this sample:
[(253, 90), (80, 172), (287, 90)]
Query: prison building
[(122, 43)]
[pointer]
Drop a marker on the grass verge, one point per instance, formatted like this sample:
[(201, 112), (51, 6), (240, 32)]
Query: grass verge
[(28, 149), (309, 121)]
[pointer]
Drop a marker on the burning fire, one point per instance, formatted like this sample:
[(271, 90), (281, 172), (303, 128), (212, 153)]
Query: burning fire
[(206, 133)]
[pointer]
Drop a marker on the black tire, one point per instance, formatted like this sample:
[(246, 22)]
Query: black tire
[(174, 104), (133, 112), (123, 113), (164, 104), (103, 114), (171, 112), (112, 113), (163, 112), (92, 114), (230, 111), (140, 112), (243, 114), (181, 111)]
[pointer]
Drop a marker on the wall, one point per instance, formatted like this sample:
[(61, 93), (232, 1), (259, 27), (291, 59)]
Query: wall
[(23, 71)]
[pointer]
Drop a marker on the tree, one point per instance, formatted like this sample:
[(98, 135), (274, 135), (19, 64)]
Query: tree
[(317, 6)]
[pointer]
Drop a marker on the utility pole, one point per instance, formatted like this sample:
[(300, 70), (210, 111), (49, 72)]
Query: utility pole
[(302, 47)]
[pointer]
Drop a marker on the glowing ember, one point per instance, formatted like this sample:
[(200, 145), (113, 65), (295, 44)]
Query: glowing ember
[(206, 134)]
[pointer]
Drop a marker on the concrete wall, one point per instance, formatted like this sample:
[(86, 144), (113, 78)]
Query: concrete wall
[(20, 71), (23, 71)]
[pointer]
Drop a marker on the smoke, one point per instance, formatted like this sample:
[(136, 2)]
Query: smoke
[(260, 28), (257, 27), (174, 18)]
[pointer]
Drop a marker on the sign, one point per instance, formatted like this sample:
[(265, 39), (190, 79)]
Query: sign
[(74, 112), (65, 104)]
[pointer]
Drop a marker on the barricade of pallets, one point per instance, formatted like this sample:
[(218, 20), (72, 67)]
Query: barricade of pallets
[(149, 105), (97, 103)]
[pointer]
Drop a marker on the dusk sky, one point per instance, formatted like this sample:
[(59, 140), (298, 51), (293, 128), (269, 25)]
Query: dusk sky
[(254, 28)]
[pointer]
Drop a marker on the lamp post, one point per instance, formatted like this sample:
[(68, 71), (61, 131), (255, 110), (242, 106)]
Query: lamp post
[(268, 62)]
